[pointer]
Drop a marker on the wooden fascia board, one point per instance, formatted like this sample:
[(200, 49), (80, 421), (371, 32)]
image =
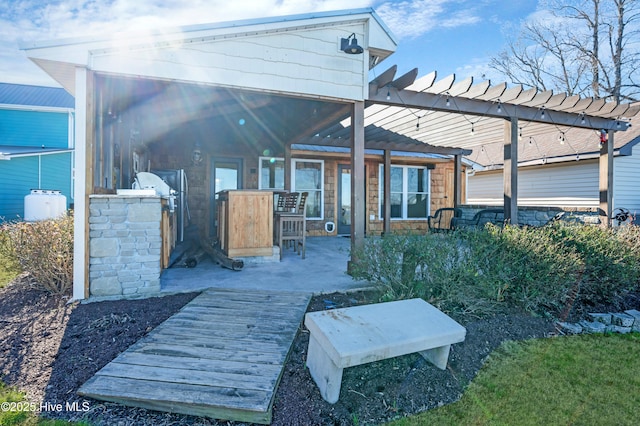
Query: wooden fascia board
[(462, 105), (393, 146)]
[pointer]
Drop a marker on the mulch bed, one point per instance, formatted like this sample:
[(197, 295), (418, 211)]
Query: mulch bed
[(49, 348)]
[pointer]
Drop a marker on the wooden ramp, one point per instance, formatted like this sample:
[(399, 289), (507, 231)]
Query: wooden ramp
[(221, 356)]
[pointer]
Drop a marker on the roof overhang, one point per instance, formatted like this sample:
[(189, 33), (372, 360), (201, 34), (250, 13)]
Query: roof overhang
[(11, 152), (60, 58)]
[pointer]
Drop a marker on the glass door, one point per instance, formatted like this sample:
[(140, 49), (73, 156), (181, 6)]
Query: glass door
[(226, 173)]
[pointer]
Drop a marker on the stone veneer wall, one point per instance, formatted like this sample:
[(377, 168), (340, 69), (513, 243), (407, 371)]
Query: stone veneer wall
[(124, 246), (538, 215)]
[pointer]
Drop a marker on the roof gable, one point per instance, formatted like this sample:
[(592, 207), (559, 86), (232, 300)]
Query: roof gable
[(258, 51)]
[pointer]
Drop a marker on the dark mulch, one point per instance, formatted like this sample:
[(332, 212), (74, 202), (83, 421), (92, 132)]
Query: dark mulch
[(48, 348)]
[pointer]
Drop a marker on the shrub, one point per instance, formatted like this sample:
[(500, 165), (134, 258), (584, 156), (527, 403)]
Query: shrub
[(474, 271), (611, 258), (44, 249)]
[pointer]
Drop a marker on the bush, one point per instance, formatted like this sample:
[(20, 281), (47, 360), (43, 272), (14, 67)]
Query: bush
[(486, 270), (44, 249), (611, 259)]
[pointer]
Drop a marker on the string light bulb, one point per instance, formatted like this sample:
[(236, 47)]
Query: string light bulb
[(499, 107), (542, 112), (388, 94), (418, 124), (473, 130), (582, 119), (562, 138), (520, 133), (448, 102)]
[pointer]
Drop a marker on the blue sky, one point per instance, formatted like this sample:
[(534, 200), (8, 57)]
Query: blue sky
[(448, 36)]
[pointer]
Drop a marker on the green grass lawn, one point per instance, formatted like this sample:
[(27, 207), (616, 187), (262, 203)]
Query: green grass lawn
[(578, 380), (9, 416)]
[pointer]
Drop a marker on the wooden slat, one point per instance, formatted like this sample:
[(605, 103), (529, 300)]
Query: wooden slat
[(221, 356), (176, 374), (198, 364), (405, 80), (384, 78)]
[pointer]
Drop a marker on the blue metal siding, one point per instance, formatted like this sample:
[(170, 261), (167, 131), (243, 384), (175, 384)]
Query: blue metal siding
[(20, 175), (17, 178), (34, 128), (56, 173)]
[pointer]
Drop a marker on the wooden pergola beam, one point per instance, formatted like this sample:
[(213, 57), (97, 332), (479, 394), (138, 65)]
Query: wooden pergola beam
[(463, 105)]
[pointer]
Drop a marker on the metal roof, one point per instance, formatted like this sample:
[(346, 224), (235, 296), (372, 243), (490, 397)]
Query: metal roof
[(37, 96)]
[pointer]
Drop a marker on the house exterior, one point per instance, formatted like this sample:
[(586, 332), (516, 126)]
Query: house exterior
[(271, 104), (563, 175), (36, 144), (225, 102)]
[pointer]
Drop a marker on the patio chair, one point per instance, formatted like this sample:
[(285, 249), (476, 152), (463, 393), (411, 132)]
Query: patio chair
[(292, 226), (444, 219)]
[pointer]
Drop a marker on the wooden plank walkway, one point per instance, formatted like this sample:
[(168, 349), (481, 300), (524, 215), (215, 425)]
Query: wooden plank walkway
[(221, 356)]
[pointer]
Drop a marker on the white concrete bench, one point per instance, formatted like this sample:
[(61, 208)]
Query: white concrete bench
[(346, 337)]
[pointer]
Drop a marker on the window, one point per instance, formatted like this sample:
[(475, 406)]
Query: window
[(409, 192), (271, 173), (308, 176)]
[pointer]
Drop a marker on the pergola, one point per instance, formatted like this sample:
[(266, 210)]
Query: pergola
[(453, 118)]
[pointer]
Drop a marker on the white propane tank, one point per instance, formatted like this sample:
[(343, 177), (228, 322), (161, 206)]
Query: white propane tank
[(44, 204)]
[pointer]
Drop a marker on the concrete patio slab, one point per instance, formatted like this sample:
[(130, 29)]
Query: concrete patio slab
[(322, 271)]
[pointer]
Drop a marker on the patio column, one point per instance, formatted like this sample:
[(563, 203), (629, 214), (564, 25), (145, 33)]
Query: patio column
[(510, 172), (387, 191), (82, 180), (358, 206), (287, 167), (606, 177), (457, 180)]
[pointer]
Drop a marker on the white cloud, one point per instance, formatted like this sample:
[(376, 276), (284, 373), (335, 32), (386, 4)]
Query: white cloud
[(414, 18)]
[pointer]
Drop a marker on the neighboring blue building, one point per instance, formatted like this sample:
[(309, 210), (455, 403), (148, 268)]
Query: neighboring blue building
[(36, 144)]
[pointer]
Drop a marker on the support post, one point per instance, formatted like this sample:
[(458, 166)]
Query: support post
[(606, 177), (457, 180), (510, 172), (82, 180), (387, 191), (358, 207), (287, 166)]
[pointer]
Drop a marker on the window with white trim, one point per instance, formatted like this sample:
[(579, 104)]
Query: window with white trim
[(409, 192), (308, 176), (271, 173)]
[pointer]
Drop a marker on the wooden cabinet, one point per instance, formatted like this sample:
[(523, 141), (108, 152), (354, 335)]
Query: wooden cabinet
[(245, 223)]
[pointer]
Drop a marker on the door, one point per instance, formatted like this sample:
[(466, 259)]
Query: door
[(226, 173)]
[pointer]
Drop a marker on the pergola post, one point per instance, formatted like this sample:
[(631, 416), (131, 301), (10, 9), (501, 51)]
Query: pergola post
[(457, 180), (606, 177), (387, 191), (287, 167), (358, 207), (510, 173)]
